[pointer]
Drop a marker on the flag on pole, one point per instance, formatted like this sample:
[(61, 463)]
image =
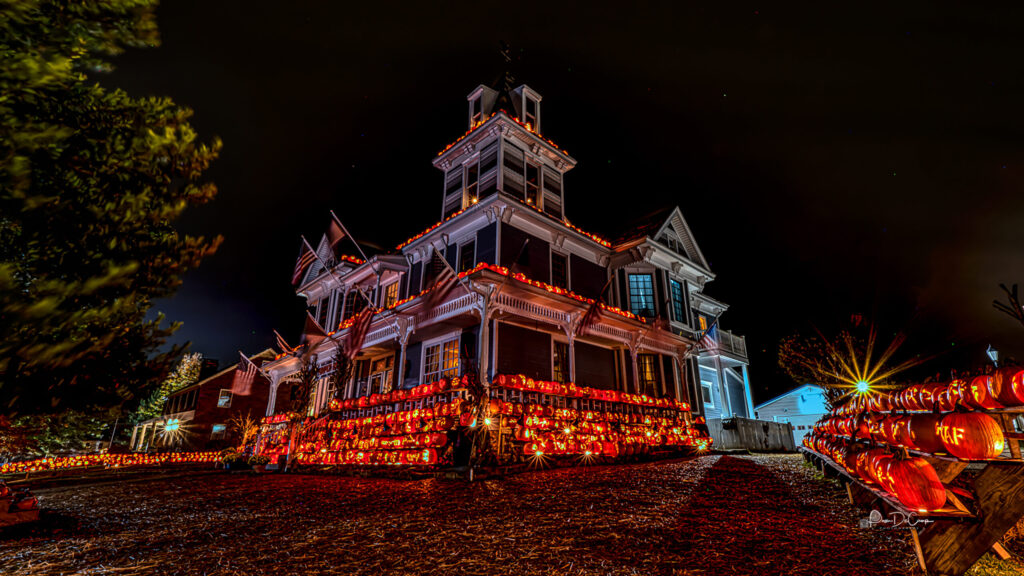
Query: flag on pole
[(339, 227), (444, 282), (705, 340), (245, 374), (312, 333), (593, 314), (306, 257), (282, 344), (335, 233), (357, 333)]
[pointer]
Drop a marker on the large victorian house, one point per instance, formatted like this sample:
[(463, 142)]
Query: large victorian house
[(528, 277)]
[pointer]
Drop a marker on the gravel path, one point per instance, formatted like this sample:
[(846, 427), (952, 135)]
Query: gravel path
[(707, 515)]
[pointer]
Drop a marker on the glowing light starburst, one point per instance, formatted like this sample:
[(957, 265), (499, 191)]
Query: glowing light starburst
[(863, 372)]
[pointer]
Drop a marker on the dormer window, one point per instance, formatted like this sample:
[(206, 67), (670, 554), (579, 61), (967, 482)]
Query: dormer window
[(532, 113), (472, 183), (476, 114), (532, 184)]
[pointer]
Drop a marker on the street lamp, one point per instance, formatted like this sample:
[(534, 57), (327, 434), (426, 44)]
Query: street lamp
[(993, 355)]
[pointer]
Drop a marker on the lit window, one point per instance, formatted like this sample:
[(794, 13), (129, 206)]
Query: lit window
[(705, 388), (390, 294), (641, 295), (677, 300), (441, 360), (531, 113), (646, 367), (467, 254), (532, 183), (224, 400), (475, 113), (472, 181), (218, 431), (561, 362), (703, 322), (381, 375), (559, 270)]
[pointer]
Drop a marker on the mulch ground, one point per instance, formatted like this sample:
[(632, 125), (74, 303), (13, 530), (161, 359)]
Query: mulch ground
[(702, 516)]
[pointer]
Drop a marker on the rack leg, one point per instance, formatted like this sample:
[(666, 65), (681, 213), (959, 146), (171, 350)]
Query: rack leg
[(999, 551), (917, 549)]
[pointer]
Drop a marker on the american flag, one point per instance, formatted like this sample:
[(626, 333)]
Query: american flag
[(590, 319), (335, 233), (312, 333), (306, 257), (444, 282), (245, 374), (281, 343), (357, 333), (706, 340)]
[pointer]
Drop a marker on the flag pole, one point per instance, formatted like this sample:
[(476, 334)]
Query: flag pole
[(347, 233)]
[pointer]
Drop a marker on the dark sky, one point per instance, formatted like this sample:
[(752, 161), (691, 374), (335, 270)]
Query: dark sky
[(829, 157)]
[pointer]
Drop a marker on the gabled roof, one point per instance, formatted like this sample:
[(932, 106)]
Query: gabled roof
[(266, 356), (793, 392), (653, 225)]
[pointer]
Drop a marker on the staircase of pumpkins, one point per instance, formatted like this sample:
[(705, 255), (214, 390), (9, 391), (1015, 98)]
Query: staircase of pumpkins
[(905, 452), (527, 421)]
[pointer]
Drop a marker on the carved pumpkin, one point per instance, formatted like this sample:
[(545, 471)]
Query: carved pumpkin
[(1007, 386), (979, 394), (916, 484), (944, 401), (865, 460), (927, 394), (909, 397), (971, 436), (878, 466), (923, 435)]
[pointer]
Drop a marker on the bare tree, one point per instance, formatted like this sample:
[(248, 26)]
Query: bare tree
[(1013, 308)]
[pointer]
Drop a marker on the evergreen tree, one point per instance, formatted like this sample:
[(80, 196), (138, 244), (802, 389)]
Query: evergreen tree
[(185, 374), (91, 182)]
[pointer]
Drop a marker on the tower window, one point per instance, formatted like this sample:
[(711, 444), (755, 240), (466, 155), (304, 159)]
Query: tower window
[(475, 113), (531, 113), (559, 269), (641, 295), (467, 252), (532, 184), (472, 182)]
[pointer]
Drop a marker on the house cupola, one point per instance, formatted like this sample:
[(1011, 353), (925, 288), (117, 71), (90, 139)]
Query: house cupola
[(522, 102)]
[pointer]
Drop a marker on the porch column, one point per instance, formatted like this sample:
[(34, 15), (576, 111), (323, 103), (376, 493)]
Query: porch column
[(131, 445), (485, 309), (275, 382), (723, 389), (405, 329), (746, 390), (569, 326), (677, 372), (634, 349)]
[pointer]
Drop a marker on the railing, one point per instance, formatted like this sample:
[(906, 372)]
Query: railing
[(725, 342), (528, 308)]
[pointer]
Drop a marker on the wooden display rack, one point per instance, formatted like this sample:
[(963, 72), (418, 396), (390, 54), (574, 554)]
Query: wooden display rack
[(954, 537)]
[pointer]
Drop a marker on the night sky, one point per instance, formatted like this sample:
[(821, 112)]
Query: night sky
[(829, 158)]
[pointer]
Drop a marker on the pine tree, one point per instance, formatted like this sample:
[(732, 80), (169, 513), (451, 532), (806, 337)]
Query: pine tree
[(185, 374), (91, 182)]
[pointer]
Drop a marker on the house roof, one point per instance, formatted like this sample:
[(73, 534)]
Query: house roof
[(793, 392), (653, 224), (266, 355)]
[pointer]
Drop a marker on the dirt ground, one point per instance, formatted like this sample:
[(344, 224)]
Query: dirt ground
[(709, 515)]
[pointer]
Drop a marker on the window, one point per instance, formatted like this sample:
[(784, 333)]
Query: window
[(321, 317), (705, 391), (560, 362), (559, 270), (467, 256), (532, 183), (475, 113), (647, 371), (381, 375), (224, 400), (218, 432), (703, 321), (391, 294), (531, 113), (677, 300), (641, 295), (472, 180), (441, 360)]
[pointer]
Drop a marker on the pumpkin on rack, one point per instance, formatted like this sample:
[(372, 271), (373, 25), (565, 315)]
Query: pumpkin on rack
[(923, 435), (916, 484), (971, 435), (1007, 386)]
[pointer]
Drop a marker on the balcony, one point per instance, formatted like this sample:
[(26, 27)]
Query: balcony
[(725, 342)]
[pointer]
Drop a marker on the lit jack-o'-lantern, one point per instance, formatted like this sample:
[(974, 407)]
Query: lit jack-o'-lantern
[(979, 394), (916, 484), (971, 436), (1007, 386)]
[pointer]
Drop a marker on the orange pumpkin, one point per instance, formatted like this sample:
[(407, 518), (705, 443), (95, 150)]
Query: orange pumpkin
[(879, 469), (971, 436), (922, 433), (944, 401), (910, 396), (979, 395), (1007, 386), (927, 394), (916, 484)]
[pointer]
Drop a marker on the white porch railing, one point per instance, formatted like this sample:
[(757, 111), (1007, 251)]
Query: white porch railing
[(727, 343)]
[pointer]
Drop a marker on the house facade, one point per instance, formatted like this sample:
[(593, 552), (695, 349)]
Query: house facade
[(197, 417), (802, 407), (528, 276)]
